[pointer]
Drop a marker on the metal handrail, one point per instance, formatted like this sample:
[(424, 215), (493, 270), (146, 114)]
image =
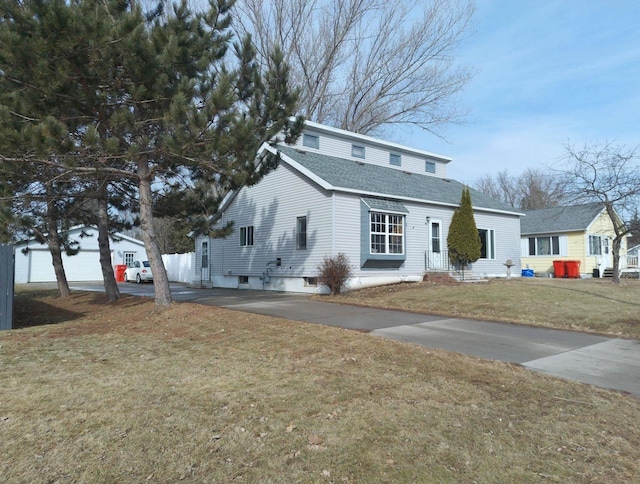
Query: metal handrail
[(444, 265)]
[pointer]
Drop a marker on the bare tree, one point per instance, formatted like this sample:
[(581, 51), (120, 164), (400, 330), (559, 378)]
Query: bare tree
[(533, 189), (539, 190), (609, 174), (503, 187), (362, 65)]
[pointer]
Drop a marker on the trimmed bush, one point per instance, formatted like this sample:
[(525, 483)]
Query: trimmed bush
[(463, 240), (334, 272)]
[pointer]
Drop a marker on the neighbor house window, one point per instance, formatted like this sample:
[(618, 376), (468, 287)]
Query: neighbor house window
[(429, 167), (246, 236), (549, 245), (595, 245), (487, 239), (301, 233), (387, 233), (357, 151), (129, 257), (394, 160), (311, 141)]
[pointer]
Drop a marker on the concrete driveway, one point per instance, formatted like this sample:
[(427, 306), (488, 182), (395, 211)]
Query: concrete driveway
[(605, 362)]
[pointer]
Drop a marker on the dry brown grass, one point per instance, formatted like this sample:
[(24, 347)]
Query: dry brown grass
[(120, 393), (592, 305)]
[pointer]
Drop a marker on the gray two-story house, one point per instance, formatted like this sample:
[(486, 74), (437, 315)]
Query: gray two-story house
[(386, 206)]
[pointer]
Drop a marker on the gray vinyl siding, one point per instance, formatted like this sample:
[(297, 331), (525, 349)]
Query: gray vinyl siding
[(272, 208), (507, 243), (347, 227), (348, 240), (340, 147)]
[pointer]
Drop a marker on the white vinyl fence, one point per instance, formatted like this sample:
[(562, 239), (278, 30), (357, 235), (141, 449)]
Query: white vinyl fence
[(180, 267)]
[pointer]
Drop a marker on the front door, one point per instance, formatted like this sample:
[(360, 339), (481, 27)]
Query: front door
[(204, 261), (435, 245)]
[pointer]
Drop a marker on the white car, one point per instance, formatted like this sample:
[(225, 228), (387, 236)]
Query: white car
[(138, 270)]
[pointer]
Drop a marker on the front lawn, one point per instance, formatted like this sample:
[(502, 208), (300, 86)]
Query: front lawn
[(592, 305), (95, 392)]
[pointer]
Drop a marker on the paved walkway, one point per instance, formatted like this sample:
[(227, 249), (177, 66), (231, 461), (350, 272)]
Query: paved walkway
[(605, 362)]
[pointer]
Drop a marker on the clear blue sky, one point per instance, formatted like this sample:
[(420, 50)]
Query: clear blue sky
[(548, 72)]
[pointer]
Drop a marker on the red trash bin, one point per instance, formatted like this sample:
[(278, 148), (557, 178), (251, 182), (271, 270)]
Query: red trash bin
[(120, 268), (558, 268), (573, 269)]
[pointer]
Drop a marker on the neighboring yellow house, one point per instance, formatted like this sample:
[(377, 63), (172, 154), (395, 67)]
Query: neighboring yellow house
[(581, 233)]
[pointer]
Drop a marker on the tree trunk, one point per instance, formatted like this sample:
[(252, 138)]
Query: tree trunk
[(53, 241), (160, 279), (110, 286), (616, 260), (615, 250)]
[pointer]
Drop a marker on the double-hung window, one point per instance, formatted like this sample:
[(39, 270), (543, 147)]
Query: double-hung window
[(246, 236), (301, 233), (129, 257), (387, 233), (546, 245), (487, 240), (595, 245)]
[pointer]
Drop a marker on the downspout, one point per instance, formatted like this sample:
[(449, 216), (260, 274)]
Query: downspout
[(222, 258), (333, 224)]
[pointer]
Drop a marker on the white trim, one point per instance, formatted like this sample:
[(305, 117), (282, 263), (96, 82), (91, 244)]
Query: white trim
[(552, 232), (294, 164), (368, 139), (588, 228)]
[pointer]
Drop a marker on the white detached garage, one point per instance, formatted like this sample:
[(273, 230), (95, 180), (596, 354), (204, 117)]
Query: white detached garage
[(33, 259)]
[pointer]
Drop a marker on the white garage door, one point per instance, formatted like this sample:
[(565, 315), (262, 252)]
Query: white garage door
[(84, 266)]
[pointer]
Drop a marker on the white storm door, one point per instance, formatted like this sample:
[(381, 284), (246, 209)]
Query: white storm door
[(204, 261), (435, 244)]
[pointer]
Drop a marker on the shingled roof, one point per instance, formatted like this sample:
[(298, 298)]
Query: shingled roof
[(368, 179), (574, 218)]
